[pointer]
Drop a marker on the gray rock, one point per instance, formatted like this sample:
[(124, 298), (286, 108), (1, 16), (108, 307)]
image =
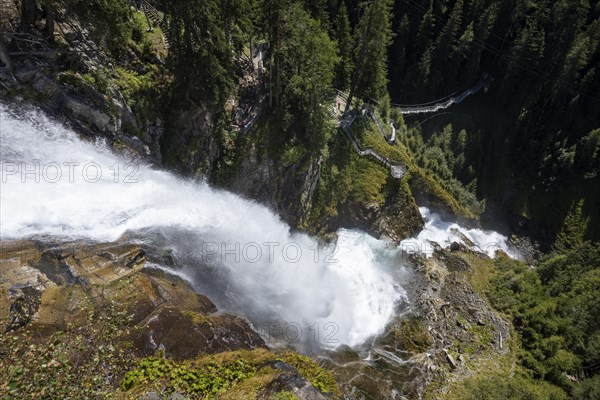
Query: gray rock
[(25, 304), (150, 396), (450, 359), (91, 115), (45, 86), (26, 72), (7, 80), (293, 382)]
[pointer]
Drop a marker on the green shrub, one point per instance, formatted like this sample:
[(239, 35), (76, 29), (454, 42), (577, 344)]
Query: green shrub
[(513, 388), (319, 377), (412, 336), (206, 380)]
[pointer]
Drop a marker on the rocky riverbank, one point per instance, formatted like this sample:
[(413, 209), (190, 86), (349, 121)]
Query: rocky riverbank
[(449, 333), (79, 314), (94, 320), (109, 311)]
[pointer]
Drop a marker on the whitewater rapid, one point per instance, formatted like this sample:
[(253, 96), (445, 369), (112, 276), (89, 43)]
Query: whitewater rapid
[(236, 251), (444, 233)]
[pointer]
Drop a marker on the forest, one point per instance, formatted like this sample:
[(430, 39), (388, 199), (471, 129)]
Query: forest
[(525, 154), (532, 149)]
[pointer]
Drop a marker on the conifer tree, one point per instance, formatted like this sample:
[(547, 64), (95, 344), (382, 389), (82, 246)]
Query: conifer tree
[(572, 233), (200, 55), (344, 41), (373, 37)]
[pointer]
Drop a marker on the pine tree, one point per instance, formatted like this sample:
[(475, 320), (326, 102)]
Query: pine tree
[(448, 37), (373, 37), (318, 10), (572, 233), (344, 41), (309, 58), (273, 12), (425, 30), (202, 63)]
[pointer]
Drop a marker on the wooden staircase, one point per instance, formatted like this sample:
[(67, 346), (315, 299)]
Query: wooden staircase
[(157, 19)]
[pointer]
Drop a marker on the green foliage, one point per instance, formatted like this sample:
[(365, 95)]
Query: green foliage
[(142, 92), (82, 82), (588, 153), (284, 396), (319, 377), (588, 390), (554, 310), (373, 37), (343, 36), (86, 361), (293, 154), (503, 387), (412, 336), (573, 231), (539, 121), (301, 61), (444, 156), (221, 374), (311, 55), (109, 20), (206, 380), (148, 44), (200, 56)]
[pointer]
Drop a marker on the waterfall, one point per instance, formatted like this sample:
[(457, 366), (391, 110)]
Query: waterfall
[(238, 252)]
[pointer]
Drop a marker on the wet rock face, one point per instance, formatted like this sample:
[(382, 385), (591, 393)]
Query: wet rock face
[(287, 189), (396, 220), (291, 381), (46, 285), (399, 218), (188, 334), (449, 333), (191, 145), (26, 303), (463, 329)]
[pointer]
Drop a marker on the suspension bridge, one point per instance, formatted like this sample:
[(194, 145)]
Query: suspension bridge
[(346, 119), (445, 102), (153, 16)]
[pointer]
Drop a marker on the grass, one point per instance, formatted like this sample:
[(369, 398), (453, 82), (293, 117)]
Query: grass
[(205, 378), (489, 375), (412, 335), (197, 318), (84, 361), (369, 178), (154, 38), (321, 378), (369, 136), (429, 183), (236, 375)]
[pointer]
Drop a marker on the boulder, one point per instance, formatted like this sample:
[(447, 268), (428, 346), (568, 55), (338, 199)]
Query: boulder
[(48, 285)]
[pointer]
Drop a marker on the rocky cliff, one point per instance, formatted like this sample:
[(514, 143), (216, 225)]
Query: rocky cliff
[(80, 82), (81, 315)]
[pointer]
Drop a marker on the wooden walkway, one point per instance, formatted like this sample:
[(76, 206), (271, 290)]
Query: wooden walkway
[(345, 121)]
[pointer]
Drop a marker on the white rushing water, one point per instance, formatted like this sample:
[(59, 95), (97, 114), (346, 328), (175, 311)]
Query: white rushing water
[(444, 233), (234, 250)]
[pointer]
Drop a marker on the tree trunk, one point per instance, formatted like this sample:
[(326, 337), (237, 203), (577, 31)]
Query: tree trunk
[(359, 61), (277, 69), (49, 28), (28, 13), (5, 57)]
